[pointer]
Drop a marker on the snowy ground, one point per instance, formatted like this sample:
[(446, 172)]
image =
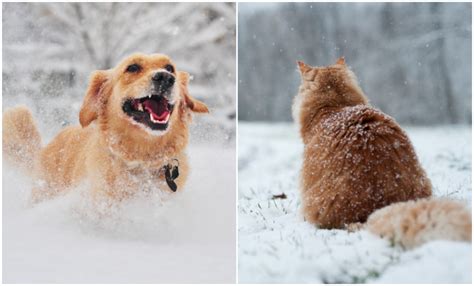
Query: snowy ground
[(275, 245), (188, 238)]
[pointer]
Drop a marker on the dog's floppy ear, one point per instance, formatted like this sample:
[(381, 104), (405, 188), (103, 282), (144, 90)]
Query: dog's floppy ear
[(192, 103), (96, 89)]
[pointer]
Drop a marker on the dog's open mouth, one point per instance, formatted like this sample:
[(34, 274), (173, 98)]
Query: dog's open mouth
[(153, 111)]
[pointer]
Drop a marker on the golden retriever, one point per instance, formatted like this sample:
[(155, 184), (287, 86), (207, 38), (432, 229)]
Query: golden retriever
[(133, 132), (360, 169)]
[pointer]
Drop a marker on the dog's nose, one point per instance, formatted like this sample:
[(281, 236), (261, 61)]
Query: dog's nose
[(164, 79)]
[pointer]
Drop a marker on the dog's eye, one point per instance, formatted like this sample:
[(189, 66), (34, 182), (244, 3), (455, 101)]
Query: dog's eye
[(169, 68), (133, 68)]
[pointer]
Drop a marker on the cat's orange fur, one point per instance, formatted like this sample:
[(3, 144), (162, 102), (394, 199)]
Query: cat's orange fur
[(356, 158)]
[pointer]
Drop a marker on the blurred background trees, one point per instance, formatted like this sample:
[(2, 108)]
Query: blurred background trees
[(50, 49), (413, 60)]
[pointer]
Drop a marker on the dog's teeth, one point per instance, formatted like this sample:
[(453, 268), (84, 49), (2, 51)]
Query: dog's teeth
[(159, 121), (140, 107), (153, 120)]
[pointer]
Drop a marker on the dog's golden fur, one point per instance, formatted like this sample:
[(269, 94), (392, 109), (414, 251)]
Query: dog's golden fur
[(113, 153), (20, 137), (356, 158)]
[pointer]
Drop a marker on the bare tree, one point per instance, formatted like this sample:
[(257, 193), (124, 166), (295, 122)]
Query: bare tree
[(412, 59)]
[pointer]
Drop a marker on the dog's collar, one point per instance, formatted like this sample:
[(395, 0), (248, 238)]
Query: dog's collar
[(171, 173), (170, 170)]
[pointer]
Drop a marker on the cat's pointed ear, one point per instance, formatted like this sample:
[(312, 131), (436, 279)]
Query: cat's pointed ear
[(304, 68), (341, 61)]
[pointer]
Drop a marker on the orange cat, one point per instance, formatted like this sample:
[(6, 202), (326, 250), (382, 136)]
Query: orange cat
[(356, 158)]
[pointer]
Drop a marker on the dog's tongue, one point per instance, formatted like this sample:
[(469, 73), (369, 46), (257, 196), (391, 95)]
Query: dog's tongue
[(157, 109)]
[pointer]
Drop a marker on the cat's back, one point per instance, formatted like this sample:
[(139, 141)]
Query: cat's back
[(357, 129)]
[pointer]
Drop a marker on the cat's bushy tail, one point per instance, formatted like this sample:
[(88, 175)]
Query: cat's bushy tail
[(410, 224)]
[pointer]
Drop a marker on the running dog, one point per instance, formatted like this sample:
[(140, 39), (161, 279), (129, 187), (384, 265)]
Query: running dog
[(133, 131)]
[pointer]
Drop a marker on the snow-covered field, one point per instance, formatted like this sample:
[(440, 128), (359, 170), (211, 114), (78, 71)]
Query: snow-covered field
[(275, 245), (187, 238)]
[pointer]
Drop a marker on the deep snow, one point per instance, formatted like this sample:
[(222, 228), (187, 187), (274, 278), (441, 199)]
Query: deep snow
[(275, 245), (187, 237)]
